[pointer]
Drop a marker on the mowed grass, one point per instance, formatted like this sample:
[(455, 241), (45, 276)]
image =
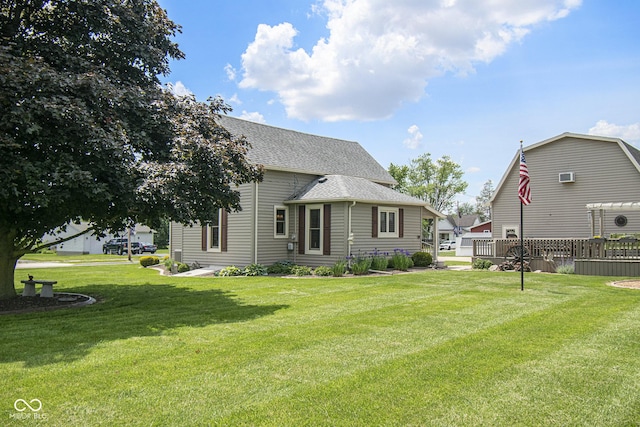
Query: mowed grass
[(432, 348), (92, 258)]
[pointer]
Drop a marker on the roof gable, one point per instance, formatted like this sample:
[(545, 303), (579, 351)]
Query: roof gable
[(632, 153), (292, 151), (467, 220)]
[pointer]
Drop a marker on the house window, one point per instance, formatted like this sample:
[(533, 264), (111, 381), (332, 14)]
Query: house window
[(510, 231), (388, 222), (214, 235), (314, 229), (280, 222)]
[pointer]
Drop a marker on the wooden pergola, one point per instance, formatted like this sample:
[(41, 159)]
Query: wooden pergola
[(598, 209)]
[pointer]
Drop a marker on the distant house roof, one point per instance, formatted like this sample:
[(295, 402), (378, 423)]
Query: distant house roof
[(291, 151), (465, 221), (630, 151), (353, 189)]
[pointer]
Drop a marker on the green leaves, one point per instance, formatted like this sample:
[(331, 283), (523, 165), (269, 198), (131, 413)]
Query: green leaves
[(87, 132), (434, 182)]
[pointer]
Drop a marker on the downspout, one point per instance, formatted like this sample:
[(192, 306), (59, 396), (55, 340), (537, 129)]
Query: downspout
[(255, 222), (350, 234), (170, 240), (294, 236)]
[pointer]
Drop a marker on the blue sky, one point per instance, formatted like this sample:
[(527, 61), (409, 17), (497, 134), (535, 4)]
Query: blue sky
[(405, 77)]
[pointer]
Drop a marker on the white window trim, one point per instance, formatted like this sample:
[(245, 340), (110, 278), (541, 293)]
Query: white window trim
[(210, 238), (516, 228), (307, 231), (275, 222), (387, 234)]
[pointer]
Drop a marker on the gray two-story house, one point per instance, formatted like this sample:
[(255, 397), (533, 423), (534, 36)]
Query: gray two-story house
[(321, 200)]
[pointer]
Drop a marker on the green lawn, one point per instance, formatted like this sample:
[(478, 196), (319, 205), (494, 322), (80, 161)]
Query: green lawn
[(441, 348), (53, 257)]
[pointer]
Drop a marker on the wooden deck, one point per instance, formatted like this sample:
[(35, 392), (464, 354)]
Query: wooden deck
[(598, 257)]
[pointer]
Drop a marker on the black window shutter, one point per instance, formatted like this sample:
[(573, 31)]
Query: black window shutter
[(326, 240), (301, 229), (374, 221), (204, 237), (224, 221)]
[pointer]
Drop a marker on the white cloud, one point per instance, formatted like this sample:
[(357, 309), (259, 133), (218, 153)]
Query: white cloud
[(253, 117), (179, 89), (628, 133), (415, 138), (380, 54), (235, 100), (231, 72), (473, 169)]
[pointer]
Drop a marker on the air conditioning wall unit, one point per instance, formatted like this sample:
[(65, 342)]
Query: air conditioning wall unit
[(566, 177)]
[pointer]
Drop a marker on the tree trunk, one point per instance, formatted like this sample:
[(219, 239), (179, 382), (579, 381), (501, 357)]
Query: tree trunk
[(8, 262)]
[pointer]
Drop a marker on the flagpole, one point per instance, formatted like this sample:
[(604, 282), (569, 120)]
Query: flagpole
[(521, 244), (521, 235)]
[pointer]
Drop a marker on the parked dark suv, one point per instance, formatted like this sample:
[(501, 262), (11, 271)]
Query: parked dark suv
[(120, 246)]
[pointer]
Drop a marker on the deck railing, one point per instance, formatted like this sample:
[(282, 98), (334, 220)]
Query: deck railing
[(560, 248)]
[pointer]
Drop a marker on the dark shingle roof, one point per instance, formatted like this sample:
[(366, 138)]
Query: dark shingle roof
[(288, 150), (332, 188), (463, 221), (633, 151)]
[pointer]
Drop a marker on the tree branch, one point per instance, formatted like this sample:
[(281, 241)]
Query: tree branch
[(62, 240)]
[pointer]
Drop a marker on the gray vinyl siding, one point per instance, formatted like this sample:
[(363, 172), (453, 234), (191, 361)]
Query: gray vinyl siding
[(273, 191), (175, 238), (239, 237), (603, 174), (364, 243)]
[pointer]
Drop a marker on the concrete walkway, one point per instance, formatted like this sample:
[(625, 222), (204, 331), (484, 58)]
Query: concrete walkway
[(24, 264), (455, 258)]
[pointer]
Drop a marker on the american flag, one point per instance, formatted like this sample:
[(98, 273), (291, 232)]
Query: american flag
[(524, 192)]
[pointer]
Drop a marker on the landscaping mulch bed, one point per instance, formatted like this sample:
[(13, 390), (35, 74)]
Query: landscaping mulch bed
[(22, 304), (631, 284)]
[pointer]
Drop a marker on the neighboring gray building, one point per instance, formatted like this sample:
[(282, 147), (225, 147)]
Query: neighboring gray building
[(568, 172), (321, 199)]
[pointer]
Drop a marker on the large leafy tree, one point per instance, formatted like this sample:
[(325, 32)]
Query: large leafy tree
[(87, 131), (437, 183)]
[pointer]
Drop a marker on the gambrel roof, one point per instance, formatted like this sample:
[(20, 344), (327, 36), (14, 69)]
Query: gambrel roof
[(292, 151), (632, 153)]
